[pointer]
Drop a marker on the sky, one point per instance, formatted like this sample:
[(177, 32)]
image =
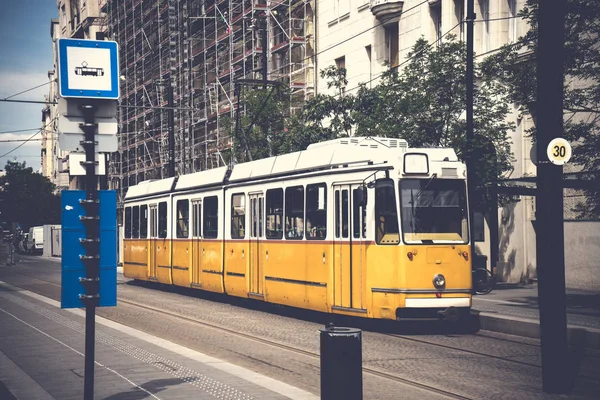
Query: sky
[(26, 57)]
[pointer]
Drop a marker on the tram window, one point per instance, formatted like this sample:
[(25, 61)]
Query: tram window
[(127, 222), (359, 216), (345, 207), (274, 214), (135, 222), (238, 216), (294, 212), (386, 216), (183, 218), (162, 219), (211, 219), (316, 212), (196, 218), (143, 222)]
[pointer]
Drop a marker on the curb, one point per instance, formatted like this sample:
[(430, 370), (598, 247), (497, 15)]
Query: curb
[(577, 336)]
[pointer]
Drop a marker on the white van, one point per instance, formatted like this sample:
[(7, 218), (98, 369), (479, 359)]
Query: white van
[(35, 240)]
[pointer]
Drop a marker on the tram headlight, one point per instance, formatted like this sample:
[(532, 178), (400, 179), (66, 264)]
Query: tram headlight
[(439, 281)]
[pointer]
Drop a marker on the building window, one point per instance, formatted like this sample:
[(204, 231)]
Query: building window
[(368, 50), (238, 216), (392, 44), (183, 218), (435, 11), (512, 21), (274, 214), (294, 213), (211, 219), (459, 12), (485, 29), (341, 8), (340, 63), (316, 212), (478, 227)]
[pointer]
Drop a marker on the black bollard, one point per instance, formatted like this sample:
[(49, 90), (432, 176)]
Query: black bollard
[(341, 363)]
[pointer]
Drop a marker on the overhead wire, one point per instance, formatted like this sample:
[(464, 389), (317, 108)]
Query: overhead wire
[(29, 90)]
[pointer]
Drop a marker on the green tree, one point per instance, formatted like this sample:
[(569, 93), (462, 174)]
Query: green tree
[(516, 64), (262, 124), (323, 117), (27, 197)]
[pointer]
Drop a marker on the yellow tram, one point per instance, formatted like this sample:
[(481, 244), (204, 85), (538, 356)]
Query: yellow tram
[(356, 226)]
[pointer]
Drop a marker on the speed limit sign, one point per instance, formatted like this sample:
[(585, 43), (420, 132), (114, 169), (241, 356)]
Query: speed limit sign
[(559, 151)]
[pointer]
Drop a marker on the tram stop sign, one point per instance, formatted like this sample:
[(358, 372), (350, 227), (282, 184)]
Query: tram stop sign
[(88, 69)]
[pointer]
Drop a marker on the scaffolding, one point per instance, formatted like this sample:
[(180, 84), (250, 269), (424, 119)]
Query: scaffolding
[(199, 47)]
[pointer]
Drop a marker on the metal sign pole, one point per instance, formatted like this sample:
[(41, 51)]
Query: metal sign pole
[(91, 260)]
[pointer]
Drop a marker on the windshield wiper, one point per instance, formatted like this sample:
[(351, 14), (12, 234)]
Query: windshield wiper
[(421, 190)]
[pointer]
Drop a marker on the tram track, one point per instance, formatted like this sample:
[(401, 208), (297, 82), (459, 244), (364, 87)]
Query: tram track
[(267, 342), (314, 355), (293, 349)]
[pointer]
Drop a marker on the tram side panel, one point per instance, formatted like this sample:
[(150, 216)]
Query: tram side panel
[(181, 243), (162, 247), (212, 244)]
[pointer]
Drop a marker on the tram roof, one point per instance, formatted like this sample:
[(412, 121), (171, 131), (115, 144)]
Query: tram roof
[(322, 155), (151, 187)]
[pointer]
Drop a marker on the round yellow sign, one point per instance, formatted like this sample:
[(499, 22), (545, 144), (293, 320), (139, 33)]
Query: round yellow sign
[(559, 151)]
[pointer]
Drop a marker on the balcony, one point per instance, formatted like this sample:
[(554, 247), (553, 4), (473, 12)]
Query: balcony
[(386, 10)]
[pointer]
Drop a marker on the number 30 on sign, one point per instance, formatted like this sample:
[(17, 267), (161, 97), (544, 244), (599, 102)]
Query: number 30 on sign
[(559, 151)]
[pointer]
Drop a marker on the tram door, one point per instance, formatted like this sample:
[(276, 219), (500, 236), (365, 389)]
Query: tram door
[(348, 248), (257, 206), (153, 241), (196, 242)]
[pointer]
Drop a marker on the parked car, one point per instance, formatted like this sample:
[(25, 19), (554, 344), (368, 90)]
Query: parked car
[(35, 241)]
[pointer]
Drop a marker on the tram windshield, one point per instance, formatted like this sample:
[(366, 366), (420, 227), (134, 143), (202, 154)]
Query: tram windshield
[(434, 211)]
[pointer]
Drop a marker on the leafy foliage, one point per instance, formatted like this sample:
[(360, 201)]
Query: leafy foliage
[(516, 63), (28, 197), (261, 124)]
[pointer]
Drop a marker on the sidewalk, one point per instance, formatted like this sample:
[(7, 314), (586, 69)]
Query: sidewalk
[(514, 309), (42, 357)]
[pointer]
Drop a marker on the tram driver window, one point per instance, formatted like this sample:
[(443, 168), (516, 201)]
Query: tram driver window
[(127, 222), (162, 219), (294, 213), (386, 217), (316, 212), (183, 218), (274, 224)]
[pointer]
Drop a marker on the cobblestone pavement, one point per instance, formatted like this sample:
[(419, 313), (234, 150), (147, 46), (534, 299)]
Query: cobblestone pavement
[(475, 365)]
